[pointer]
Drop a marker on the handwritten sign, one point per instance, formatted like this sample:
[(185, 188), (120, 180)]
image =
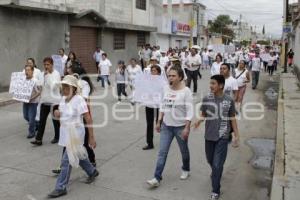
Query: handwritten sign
[(149, 90), (20, 87), (58, 64)]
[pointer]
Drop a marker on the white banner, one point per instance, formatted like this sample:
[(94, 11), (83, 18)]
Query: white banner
[(58, 64), (221, 48), (20, 87), (149, 90)]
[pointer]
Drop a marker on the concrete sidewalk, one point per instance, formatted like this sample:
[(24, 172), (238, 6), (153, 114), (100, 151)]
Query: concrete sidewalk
[(286, 180)]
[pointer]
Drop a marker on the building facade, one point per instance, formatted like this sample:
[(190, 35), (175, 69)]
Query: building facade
[(38, 28)]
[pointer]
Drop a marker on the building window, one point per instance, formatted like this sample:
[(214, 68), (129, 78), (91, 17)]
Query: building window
[(141, 39), (141, 4), (119, 40)]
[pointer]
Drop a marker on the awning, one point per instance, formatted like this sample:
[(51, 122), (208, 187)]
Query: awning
[(92, 13), (115, 25)]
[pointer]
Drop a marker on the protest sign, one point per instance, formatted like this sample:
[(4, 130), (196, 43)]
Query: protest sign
[(149, 90), (58, 64), (20, 87)]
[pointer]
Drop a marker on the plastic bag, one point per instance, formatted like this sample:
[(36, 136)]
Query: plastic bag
[(75, 150)]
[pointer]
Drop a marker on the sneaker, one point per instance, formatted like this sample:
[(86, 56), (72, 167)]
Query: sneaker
[(54, 141), (56, 171), (153, 183), (214, 196), (184, 175), (37, 143), (57, 193), (118, 102), (148, 147), (92, 178)]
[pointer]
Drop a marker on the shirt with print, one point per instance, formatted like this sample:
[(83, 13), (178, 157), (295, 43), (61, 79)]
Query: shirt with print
[(177, 106), (217, 111)]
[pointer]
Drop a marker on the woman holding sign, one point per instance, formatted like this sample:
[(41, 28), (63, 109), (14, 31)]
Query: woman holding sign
[(175, 117)]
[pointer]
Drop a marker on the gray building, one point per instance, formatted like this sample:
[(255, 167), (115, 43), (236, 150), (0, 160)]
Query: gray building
[(38, 28)]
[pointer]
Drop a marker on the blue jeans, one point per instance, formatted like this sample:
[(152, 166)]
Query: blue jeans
[(167, 134), (255, 78), (216, 153), (104, 78), (29, 113), (66, 168)]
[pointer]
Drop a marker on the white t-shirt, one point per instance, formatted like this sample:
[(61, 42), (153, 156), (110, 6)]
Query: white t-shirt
[(242, 77), (215, 68), (205, 56), (156, 54), (164, 61), (104, 67), (195, 60), (133, 72), (271, 60), (256, 64), (85, 89), (51, 88), (231, 85), (177, 106), (71, 114)]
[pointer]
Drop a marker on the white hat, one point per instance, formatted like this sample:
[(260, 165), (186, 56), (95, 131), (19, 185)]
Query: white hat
[(174, 58), (196, 47), (70, 80), (154, 58)]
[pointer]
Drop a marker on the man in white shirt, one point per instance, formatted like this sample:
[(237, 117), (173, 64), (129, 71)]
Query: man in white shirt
[(98, 56), (193, 64), (64, 58), (256, 66), (147, 55), (104, 70), (231, 85), (156, 53), (50, 98), (205, 58), (164, 60)]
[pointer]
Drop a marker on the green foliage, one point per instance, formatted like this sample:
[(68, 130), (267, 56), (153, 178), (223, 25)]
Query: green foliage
[(221, 25)]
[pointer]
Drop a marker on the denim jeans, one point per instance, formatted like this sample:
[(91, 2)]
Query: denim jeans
[(29, 113), (104, 78), (167, 134), (255, 78), (216, 153), (66, 168)]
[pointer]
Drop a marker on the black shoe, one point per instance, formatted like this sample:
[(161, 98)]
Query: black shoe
[(57, 193), (92, 178), (148, 147), (94, 164), (30, 136), (56, 171), (37, 143), (54, 141)]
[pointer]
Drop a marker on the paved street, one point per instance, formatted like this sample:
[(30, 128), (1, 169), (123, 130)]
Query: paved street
[(25, 171)]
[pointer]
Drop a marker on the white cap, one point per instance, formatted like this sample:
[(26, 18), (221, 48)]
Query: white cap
[(70, 80), (196, 47)]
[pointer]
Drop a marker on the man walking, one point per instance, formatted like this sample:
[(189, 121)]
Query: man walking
[(219, 111), (194, 62), (256, 65)]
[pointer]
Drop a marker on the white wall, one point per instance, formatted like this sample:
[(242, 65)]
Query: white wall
[(297, 47)]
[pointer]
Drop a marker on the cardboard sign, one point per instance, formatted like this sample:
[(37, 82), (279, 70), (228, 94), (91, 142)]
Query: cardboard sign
[(149, 90), (20, 87), (58, 64)]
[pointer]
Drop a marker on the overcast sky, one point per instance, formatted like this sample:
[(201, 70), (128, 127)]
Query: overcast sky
[(255, 12)]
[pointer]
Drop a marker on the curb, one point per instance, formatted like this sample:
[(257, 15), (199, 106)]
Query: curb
[(278, 183), (7, 102)]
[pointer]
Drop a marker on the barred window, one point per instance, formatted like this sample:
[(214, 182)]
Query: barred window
[(119, 40), (141, 39), (141, 4)]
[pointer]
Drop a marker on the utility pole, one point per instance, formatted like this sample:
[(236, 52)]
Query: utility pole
[(285, 35)]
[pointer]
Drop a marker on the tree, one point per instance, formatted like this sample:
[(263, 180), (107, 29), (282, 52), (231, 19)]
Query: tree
[(221, 25)]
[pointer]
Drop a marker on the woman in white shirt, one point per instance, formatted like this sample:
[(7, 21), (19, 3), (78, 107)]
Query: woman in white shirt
[(72, 111), (243, 77), (215, 68), (104, 70), (271, 63), (175, 117)]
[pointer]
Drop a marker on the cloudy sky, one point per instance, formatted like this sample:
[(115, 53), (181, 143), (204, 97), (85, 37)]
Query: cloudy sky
[(255, 12)]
